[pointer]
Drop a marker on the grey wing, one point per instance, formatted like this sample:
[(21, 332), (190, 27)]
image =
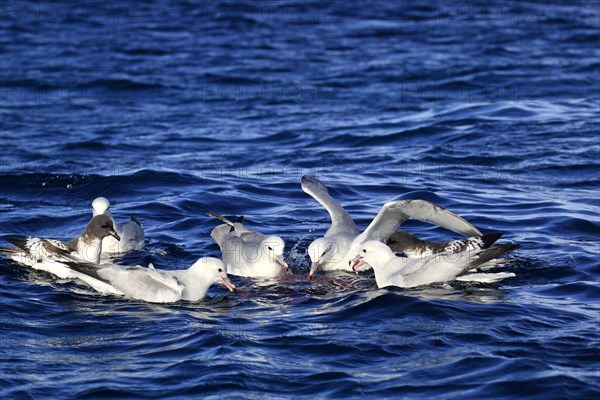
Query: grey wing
[(341, 222), (395, 213), (132, 232)]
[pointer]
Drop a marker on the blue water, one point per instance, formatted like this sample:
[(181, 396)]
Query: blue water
[(172, 109)]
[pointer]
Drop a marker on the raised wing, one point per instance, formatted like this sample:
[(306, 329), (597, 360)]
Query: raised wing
[(341, 222), (394, 213)]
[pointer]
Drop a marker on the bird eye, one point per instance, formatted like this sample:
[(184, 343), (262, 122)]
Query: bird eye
[(364, 250), (220, 270), (270, 248)]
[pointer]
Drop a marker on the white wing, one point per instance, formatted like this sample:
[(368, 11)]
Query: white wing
[(219, 234), (143, 283), (395, 213), (341, 222), (238, 254)]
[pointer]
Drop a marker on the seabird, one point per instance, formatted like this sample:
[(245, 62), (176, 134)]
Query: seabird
[(130, 232), (391, 270), (342, 240), (85, 247), (153, 285), (249, 253)]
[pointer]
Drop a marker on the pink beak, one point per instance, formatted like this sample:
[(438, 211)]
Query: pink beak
[(313, 269), (357, 262), (282, 262), (225, 282)]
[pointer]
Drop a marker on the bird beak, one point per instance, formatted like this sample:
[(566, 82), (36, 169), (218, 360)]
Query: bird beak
[(282, 262), (313, 268), (225, 282), (357, 262), (114, 234)]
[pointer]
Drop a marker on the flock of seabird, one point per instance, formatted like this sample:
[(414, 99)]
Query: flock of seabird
[(396, 257)]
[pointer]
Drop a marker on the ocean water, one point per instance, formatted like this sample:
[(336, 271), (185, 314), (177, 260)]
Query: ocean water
[(173, 109)]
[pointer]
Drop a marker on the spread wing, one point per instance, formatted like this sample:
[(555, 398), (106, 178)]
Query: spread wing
[(394, 213), (341, 222)]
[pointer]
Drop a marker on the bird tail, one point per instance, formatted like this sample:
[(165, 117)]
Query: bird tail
[(490, 254), (137, 221)]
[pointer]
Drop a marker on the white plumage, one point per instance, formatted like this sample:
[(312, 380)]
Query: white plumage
[(153, 285), (343, 239), (443, 267), (249, 253)]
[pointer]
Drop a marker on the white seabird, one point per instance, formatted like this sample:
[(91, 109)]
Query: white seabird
[(130, 232), (152, 285), (442, 267), (249, 253), (342, 240)]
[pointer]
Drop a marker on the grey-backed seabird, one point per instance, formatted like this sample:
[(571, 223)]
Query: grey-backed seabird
[(44, 254)]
